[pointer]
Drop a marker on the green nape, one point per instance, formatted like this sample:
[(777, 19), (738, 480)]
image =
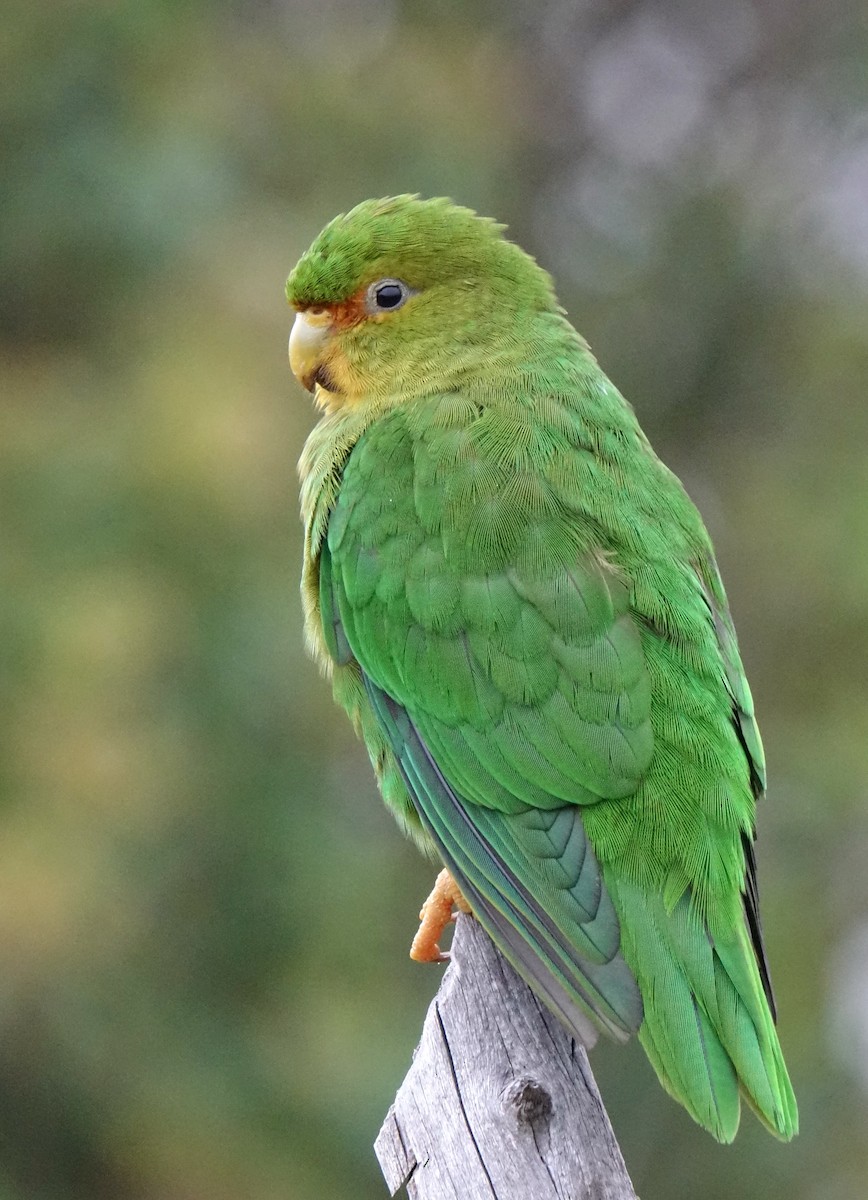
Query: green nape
[(419, 241)]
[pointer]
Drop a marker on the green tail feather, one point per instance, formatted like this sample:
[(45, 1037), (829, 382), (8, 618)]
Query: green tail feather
[(708, 1030)]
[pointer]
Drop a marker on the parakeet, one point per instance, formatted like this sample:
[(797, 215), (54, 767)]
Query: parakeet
[(519, 608)]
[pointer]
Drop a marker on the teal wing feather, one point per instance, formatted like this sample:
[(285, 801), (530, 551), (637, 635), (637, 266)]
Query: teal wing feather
[(562, 698), (533, 881)]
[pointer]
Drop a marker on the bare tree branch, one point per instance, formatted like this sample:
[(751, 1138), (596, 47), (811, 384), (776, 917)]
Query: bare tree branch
[(500, 1102)]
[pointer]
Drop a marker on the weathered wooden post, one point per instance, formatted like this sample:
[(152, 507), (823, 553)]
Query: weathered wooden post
[(500, 1102)]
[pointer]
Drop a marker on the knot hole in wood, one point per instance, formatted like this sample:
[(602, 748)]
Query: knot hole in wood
[(528, 1101)]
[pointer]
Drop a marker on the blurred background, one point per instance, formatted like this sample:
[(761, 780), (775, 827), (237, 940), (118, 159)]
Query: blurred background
[(205, 910)]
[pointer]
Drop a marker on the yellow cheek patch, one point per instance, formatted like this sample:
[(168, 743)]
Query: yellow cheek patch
[(345, 386)]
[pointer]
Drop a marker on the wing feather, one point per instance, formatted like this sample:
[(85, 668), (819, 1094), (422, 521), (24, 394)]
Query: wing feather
[(560, 935)]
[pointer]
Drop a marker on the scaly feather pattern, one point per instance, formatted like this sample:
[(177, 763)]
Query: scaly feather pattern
[(519, 608)]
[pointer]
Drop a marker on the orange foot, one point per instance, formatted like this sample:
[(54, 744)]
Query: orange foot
[(435, 916)]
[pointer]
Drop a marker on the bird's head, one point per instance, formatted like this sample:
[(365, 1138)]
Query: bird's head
[(402, 296)]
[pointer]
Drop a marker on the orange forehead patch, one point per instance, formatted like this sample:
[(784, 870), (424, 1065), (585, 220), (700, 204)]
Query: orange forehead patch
[(345, 313)]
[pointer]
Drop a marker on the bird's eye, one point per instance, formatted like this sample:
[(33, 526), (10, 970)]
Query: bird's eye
[(387, 294)]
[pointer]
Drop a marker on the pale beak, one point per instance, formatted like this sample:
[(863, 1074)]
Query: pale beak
[(307, 342)]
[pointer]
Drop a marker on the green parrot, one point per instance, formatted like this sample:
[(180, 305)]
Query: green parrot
[(519, 608)]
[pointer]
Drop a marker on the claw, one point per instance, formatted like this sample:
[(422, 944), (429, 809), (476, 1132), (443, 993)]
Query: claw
[(437, 913)]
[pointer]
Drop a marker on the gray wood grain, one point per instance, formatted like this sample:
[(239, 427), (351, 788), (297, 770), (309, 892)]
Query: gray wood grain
[(500, 1103)]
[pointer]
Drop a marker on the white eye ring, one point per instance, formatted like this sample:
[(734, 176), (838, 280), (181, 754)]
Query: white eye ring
[(385, 295)]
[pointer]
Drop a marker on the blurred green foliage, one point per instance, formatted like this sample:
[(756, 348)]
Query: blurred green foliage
[(204, 909)]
